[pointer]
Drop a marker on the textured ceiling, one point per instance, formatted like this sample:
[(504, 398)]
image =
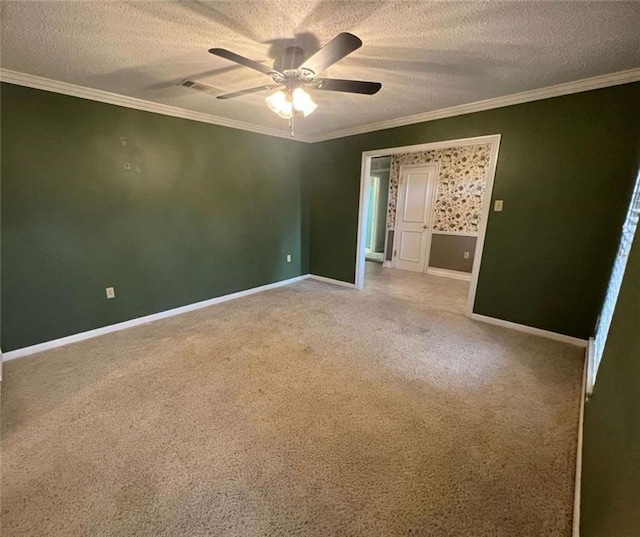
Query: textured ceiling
[(428, 55)]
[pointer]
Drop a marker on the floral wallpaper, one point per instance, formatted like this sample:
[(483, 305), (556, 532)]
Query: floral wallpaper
[(461, 184)]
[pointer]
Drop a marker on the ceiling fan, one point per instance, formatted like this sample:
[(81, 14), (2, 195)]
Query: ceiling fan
[(293, 71)]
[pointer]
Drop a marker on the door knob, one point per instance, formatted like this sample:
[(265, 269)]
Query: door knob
[(425, 227)]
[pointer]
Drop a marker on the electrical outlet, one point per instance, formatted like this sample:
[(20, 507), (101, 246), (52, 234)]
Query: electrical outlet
[(497, 206), (466, 255), (288, 258), (123, 141), (111, 292)]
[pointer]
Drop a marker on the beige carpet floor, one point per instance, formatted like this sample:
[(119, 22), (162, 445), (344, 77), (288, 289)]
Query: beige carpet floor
[(309, 410)]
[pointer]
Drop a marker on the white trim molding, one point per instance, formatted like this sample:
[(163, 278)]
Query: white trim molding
[(577, 490), (530, 330), (332, 281), (446, 273), (48, 345), (92, 94), (431, 146), (577, 86), (591, 367), (484, 220), (596, 82)]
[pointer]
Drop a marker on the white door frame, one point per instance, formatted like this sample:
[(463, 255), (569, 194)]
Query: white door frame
[(374, 186), (365, 171), (432, 206)]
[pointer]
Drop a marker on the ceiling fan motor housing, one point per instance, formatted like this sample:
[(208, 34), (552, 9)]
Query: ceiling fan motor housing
[(290, 60)]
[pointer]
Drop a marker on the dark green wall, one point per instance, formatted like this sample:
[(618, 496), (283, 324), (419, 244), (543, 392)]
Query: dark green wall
[(214, 210), (564, 172), (204, 211), (611, 451)]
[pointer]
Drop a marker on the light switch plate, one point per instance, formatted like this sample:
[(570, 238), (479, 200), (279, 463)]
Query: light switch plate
[(111, 292), (497, 206)]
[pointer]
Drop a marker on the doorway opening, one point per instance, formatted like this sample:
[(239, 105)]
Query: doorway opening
[(438, 203), (377, 200)]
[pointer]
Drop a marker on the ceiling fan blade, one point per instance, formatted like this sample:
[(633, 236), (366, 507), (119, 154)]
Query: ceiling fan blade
[(248, 91), (336, 49), (232, 56), (348, 86)]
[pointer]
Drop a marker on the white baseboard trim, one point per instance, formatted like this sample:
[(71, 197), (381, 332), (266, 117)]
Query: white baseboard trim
[(530, 330), (48, 345), (455, 274), (577, 491), (331, 280), (387, 264)]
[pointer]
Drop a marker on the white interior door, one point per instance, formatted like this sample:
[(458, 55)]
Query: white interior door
[(415, 195)]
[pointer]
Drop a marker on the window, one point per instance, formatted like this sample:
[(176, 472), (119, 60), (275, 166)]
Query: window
[(611, 298)]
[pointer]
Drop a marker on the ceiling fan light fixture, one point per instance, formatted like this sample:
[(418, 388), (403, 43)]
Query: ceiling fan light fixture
[(286, 104), (281, 103), (277, 102), (286, 110), (292, 71), (302, 102)]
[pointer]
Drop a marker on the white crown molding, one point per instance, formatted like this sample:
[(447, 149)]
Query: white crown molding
[(37, 82), (55, 86), (596, 82)]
